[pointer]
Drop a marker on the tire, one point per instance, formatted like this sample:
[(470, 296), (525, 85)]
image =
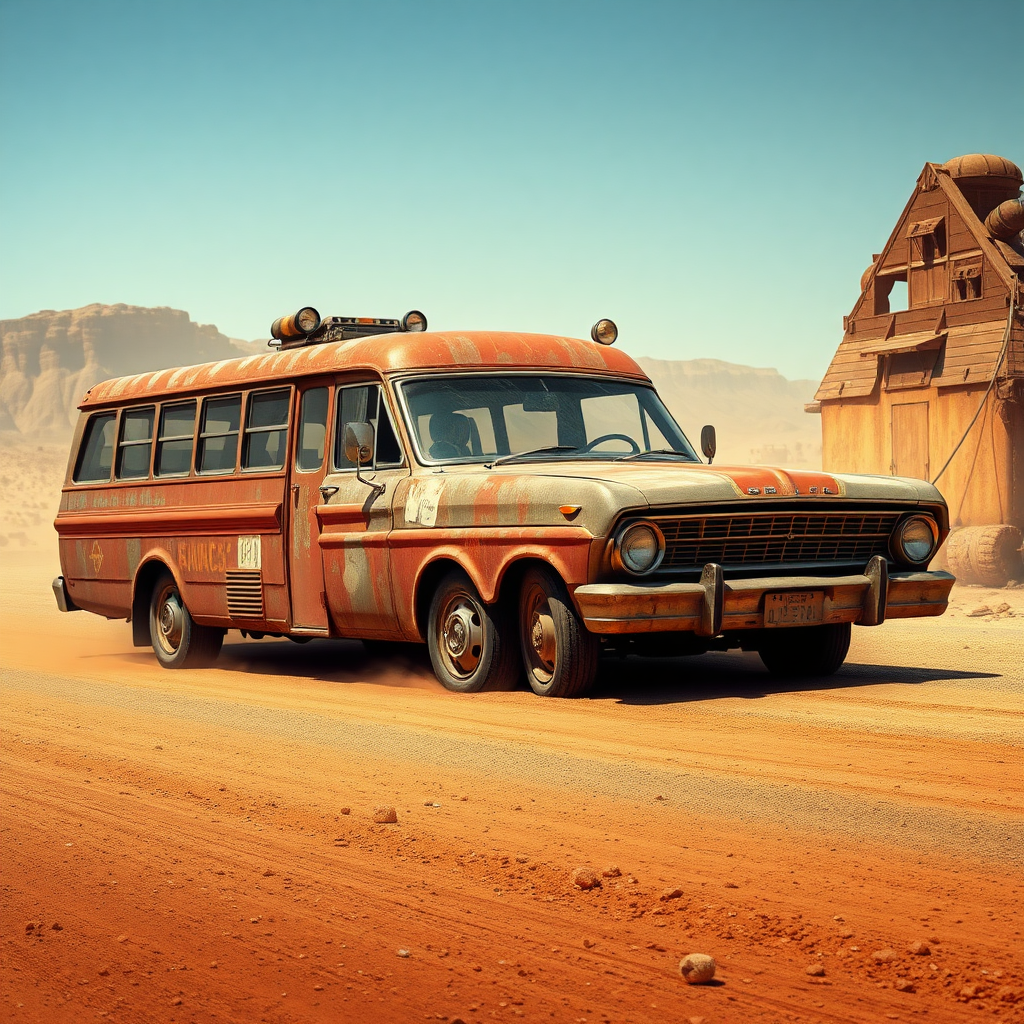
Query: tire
[(560, 654), (988, 556), (178, 640), (806, 650), (469, 641)]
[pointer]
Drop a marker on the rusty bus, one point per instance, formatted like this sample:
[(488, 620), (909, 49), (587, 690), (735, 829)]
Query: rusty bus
[(520, 503)]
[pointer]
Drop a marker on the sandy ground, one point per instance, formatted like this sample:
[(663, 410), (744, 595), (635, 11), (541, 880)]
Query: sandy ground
[(200, 846)]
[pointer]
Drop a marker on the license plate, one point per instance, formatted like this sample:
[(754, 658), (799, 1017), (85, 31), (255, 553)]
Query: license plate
[(794, 608)]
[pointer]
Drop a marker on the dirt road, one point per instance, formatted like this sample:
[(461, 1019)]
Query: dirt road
[(199, 846)]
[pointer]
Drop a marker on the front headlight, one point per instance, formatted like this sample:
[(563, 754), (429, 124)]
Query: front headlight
[(639, 548), (914, 539)]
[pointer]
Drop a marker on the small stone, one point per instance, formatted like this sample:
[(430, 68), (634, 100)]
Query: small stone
[(845, 933), (345, 810), (589, 943), (612, 871), (404, 954), (670, 894), (884, 956), (585, 878), (696, 1020), (213, 965), (456, 1020), (730, 885), (521, 858), (1001, 609), (982, 609), (385, 815), (903, 985), (816, 971), (268, 873), (104, 972), (122, 938), (697, 968), (659, 797), (55, 927), (32, 926), (919, 948), (174, 1002)]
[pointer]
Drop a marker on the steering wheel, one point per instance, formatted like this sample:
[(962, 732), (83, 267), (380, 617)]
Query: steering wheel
[(591, 445)]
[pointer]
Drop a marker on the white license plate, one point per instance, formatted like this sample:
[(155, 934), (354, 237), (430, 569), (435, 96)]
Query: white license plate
[(794, 608)]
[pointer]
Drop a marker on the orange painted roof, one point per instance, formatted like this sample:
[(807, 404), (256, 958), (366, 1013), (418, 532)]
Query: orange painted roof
[(382, 353)]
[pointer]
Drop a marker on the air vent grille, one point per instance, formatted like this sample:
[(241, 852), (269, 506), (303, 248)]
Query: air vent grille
[(245, 595)]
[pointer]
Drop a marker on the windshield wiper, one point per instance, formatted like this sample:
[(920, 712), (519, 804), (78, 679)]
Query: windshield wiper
[(533, 451), (654, 451)]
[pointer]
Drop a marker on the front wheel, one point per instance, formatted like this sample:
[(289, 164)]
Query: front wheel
[(559, 652), (805, 650), (178, 640), (469, 641)]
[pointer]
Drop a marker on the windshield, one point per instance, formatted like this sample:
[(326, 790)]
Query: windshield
[(489, 417)]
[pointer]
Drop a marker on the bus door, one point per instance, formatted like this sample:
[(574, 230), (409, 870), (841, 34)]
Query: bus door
[(309, 466), (356, 518)]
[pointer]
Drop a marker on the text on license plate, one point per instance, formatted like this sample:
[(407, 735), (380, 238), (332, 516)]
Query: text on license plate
[(795, 608)]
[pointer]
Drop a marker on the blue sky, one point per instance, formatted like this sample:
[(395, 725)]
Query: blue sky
[(712, 176)]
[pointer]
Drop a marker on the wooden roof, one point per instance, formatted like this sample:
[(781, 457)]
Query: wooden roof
[(968, 334)]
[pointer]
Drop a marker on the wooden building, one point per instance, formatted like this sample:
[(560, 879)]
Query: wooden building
[(929, 378)]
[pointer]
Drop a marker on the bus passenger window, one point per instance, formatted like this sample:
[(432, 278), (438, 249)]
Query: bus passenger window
[(312, 430), (174, 443), (97, 452), (136, 444), (266, 430), (218, 436)]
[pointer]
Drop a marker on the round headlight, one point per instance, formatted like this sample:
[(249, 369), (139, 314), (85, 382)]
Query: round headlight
[(640, 548), (604, 332), (414, 321), (915, 539), (307, 319)]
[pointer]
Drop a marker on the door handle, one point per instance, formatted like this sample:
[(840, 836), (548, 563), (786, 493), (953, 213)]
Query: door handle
[(328, 491), (295, 495)]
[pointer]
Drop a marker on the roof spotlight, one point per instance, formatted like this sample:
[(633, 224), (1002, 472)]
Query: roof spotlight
[(414, 321), (298, 325), (604, 332)]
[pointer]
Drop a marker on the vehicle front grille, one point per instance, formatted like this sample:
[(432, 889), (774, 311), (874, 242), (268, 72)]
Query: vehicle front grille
[(245, 594), (769, 538)]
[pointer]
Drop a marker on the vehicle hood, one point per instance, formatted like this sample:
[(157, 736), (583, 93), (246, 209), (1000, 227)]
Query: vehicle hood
[(533, 493)]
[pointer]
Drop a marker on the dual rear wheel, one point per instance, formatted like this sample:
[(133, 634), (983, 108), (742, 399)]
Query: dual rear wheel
[(474, 646)]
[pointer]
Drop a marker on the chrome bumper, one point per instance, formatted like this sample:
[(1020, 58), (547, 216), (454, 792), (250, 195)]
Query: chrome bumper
[(60, 592), (715, 605)]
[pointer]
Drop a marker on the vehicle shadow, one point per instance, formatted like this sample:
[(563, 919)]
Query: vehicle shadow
[(637, 680)]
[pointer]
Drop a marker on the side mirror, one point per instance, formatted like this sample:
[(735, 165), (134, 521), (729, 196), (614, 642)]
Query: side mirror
[(708, 443), (359, 443)]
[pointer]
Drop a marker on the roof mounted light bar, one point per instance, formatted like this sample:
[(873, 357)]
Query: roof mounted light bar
[(306, 327)]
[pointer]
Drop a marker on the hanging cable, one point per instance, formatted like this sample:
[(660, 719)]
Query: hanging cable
[(991, 383)]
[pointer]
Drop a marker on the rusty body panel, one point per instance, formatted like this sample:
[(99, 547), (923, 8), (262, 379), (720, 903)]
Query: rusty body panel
[(314, 546)]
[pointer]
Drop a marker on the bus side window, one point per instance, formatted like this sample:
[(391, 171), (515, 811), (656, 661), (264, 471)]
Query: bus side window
[(312, 430), (96, 456), (266, 430), (174, 442), (136, 444), (218, 436)]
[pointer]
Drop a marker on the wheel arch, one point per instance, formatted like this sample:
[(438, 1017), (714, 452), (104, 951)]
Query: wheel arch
[(142, 592)]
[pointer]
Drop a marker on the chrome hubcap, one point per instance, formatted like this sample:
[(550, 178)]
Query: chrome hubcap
[(539, 639), (170, 621), (462, 636)]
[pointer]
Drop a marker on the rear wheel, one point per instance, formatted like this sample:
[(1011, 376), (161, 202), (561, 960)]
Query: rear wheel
[(471, 644), (805, 650), (559, 652), (178, 640)]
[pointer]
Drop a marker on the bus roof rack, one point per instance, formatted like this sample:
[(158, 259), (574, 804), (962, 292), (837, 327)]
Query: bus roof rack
[(306, 327)]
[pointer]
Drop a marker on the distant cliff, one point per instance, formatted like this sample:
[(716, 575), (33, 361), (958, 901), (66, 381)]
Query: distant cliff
[(50, 359)]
